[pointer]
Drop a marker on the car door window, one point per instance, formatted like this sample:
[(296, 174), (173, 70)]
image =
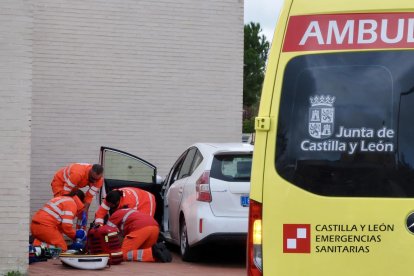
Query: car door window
[(125, 167), (176, 171), (197, 160), (173, 176), (188, 161)]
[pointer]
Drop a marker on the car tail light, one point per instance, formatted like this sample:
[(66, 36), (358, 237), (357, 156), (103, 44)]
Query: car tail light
[(254, 240), (203, 187)]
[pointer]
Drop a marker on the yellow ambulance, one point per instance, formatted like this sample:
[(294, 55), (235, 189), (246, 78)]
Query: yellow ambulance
[(332, 187)]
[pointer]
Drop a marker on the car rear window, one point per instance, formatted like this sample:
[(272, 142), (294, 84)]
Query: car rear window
[(345, 124), (232, 167)]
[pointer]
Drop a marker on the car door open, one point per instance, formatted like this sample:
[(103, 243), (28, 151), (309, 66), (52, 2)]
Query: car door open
[(122, 169)]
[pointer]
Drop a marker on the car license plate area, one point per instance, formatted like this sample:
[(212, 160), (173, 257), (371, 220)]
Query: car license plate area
[(244, 201)]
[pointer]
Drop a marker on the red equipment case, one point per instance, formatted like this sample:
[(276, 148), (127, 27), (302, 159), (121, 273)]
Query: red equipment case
[(105, 239)]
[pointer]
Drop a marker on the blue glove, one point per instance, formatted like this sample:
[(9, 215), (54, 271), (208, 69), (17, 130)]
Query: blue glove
[(76, 246), (80, 235), (84, 219)]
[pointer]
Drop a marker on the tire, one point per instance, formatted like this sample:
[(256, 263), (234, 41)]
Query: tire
[(187, 254)]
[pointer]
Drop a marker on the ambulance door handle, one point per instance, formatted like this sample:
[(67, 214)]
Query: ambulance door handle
[(180, 190)]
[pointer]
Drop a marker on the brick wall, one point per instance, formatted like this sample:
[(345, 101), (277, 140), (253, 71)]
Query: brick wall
[(148, 77), (15, 99)]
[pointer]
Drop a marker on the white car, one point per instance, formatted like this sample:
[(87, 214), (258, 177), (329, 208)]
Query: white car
[(206, 196)]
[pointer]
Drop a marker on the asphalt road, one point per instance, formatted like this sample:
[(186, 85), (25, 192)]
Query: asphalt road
[(214, 261)]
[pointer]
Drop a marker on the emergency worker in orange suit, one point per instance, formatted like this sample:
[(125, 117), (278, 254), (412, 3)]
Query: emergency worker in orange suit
[(56, 217), (140, 232), (127, 197), (77, 176)]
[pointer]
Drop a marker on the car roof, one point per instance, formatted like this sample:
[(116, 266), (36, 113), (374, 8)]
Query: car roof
[(224, 147)]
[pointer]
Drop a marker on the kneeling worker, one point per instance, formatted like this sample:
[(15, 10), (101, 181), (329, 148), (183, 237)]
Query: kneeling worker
[(140, 232), (127, 197), (56, 217)]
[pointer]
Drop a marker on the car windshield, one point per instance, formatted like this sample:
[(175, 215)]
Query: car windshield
[(232, 167), (345, 124)]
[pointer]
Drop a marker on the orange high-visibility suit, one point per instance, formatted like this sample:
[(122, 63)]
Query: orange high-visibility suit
[(140, 233), (134, 198), (56, 217), (75, 176)]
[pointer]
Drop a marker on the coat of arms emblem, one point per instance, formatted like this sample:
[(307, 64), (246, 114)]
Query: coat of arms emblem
[(321, 116)]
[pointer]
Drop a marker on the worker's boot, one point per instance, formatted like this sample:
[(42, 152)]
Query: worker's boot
[(161, 253)]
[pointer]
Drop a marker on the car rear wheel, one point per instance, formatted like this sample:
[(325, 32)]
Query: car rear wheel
[(187, 254)]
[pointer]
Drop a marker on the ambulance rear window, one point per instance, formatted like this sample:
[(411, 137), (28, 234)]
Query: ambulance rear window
[(346, 124)]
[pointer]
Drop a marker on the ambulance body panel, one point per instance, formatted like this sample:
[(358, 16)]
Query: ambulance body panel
[(332, 176)]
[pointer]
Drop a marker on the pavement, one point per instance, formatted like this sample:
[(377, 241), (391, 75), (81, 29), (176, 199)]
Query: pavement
[(212, 266)]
